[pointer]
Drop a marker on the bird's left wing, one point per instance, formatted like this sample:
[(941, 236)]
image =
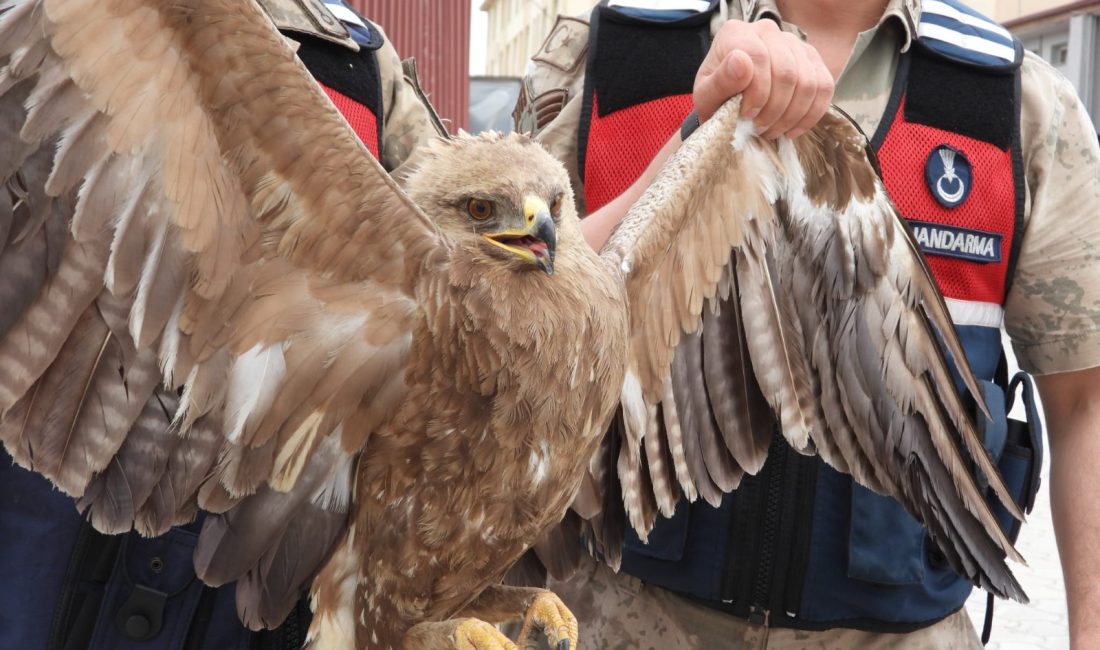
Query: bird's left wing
[(776, 277)]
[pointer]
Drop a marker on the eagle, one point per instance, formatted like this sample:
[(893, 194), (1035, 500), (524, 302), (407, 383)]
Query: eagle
[(215, 298)]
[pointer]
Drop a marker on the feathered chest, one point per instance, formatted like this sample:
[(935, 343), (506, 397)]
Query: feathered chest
[(522, 376)]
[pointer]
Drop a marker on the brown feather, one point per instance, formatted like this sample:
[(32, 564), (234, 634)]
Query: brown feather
[(278, 253), (685, 421), (173, 500), (234, 543), (115, 495), (740, 410), (267, 593), (12, 114), (95, 396), (767, 341), (696, 423), (36, 241), (834, 316), (666, 488), (559, 550), (528, 571)]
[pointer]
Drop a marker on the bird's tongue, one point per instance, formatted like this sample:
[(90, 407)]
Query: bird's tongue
[(537, 247)]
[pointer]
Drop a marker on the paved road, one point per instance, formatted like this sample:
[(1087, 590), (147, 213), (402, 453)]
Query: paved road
[(1040, 625)]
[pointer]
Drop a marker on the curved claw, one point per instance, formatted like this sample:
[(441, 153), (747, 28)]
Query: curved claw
[(548, 614), (456, 634), (476, 634)]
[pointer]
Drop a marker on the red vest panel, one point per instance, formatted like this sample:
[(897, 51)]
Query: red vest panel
[(618, 151), (361, 119), (981, 225)]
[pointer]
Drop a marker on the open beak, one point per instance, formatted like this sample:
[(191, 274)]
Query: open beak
[(536, 242)]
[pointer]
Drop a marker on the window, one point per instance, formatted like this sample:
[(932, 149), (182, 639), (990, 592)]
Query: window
[(1059, 54)]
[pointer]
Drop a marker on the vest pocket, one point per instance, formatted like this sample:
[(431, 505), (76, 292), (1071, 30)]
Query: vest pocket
[(886, 545), (1021, 462)]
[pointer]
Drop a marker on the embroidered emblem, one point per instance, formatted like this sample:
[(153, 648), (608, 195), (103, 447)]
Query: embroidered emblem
[(963, 243), (949, 176)]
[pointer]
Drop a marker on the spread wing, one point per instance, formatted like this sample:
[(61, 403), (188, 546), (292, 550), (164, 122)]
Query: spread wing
[(783, 282), (205, 276)]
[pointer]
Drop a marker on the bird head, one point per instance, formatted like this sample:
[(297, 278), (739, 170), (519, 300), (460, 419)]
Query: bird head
[(502, 195)]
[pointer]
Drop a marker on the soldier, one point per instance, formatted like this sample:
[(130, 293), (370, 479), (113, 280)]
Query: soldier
[(65, 586), (991, 156)]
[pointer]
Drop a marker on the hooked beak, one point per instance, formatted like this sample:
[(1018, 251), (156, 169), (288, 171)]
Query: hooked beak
[(536, 242)]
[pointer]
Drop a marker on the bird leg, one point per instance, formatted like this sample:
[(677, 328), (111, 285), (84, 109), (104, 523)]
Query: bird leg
[(456, 634), (541, 611)]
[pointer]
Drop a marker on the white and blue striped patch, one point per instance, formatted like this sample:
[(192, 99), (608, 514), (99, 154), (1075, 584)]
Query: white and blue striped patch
[(958, 32), (662, 10), (358, 30)]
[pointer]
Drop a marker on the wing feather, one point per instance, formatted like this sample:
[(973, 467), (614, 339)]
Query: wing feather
[(732, 390), (175, 165), (828, 315)]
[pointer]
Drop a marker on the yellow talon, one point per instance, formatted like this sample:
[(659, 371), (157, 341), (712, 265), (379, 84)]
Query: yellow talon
[(475, 634), (549, 614)]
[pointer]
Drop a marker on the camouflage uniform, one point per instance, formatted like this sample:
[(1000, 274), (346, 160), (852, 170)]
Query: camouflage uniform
[(409, 119), (1052, 313)]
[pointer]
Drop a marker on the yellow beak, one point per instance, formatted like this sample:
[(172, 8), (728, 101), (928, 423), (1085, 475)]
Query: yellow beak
[(536, 242)]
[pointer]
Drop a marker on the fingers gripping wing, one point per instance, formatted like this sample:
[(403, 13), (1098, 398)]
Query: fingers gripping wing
[(822, 309), (182, 207)]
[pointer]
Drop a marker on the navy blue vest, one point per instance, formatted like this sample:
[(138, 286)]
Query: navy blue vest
[(799, 545), (67, 587)]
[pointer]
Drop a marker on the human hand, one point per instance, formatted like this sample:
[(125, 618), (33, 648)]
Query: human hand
[(785, 87)]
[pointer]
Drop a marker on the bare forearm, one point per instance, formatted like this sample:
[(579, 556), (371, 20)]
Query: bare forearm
[(598, 226), (1073, 423), (1075, 502), (785, 88)]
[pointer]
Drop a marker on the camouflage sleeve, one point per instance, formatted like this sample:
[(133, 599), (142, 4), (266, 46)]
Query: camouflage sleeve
[(549, 106), (409, 119), (1052, 312)]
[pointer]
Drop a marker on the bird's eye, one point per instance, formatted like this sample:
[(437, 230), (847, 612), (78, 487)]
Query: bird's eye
[(555, 205), (479, 209)]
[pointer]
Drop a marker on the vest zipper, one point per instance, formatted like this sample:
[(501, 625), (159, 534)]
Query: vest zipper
[(770, 537), (760, 608)]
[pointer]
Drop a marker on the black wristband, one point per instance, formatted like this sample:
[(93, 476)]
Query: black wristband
[(691, 122)]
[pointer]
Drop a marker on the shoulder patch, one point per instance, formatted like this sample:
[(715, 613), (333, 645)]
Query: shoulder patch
[(948, 174), (309, 17), (362, 31), (567, 45), (662, 10), (957, 32), (961, 243)]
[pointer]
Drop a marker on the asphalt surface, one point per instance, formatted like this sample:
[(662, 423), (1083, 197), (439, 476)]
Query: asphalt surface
[(1041, 624)]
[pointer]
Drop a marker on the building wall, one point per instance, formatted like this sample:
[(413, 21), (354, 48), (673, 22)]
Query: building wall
[(437, 34), (1011, 9), (1067, 35), (517, 29)]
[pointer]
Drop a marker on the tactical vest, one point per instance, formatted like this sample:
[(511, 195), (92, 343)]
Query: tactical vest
[(799, 544), (67, 587)]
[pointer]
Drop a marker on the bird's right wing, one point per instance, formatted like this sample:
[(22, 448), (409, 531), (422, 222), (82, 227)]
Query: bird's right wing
[(209, 285), (780, 275)]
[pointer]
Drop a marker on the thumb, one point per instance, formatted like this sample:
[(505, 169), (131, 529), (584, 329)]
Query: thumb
[(729, 78)]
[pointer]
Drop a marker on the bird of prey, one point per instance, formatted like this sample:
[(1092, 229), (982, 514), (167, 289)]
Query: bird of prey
[(214, 297)]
